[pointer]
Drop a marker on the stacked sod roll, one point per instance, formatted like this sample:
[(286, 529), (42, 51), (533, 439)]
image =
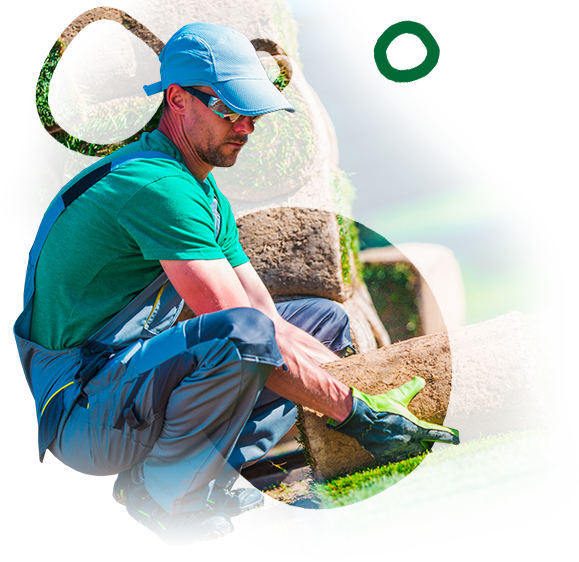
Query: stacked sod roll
[(291, 202), (480, 379)]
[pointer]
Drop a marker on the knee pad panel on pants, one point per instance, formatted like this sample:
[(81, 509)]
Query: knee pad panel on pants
[(323, 319), (251, 331)]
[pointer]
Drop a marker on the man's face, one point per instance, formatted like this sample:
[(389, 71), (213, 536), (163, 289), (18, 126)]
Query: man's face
[(216, 141)]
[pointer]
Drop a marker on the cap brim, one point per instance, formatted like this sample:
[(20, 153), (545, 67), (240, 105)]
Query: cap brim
[(153, 89), (252, 96)]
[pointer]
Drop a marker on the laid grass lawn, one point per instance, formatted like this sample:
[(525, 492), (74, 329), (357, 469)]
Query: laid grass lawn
[(506, 497)]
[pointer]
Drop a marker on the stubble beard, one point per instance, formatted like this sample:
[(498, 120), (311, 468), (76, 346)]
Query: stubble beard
[(216, 156)]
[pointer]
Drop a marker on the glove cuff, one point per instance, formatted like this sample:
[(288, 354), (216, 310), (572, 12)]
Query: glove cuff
[(333, 424)]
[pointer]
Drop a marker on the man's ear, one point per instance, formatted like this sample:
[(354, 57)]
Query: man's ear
[(175, 99)]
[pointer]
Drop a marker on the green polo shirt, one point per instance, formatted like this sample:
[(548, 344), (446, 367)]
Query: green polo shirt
[(105, 248)]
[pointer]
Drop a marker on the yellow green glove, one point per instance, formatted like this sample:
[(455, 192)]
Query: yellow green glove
[(385, 427)]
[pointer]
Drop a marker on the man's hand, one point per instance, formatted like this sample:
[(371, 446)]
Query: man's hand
[(261, 299), (385, 427), (212, 285)]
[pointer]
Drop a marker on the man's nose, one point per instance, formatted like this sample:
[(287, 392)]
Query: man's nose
[(244, 125)]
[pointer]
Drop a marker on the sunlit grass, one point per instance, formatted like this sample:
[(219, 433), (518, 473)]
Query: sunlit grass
[(505, 497), (564, 415)]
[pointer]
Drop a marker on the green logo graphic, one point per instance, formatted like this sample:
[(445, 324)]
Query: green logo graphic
[(410, 74)]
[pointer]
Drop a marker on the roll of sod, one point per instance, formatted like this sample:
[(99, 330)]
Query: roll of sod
[(480, 379), (417, 288), (122, 53), (557, 342), (293, 241), (55, 101)]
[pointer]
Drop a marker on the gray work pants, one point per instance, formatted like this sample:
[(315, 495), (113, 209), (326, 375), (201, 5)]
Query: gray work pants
[(188, 406)]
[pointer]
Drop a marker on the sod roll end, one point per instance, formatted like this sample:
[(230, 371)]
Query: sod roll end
[(293, 241), (479, 380)]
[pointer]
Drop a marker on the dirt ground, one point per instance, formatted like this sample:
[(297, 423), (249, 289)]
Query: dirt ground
[(279, 528)]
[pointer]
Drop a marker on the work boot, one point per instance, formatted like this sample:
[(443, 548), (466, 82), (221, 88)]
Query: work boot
[(180, 528), (235, 502), (386, 429)]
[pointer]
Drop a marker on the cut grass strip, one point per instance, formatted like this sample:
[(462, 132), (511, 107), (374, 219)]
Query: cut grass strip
[(347, 483), (564, 415), (515, 500)]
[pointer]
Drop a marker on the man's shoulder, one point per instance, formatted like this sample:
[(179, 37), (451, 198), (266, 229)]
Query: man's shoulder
[(147, 158)]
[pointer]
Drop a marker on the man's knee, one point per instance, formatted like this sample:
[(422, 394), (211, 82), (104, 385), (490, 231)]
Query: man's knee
[(251, 331), (324, 319), (336, 315)]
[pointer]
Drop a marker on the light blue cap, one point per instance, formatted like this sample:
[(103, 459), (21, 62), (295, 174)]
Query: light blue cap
[(206, 54)]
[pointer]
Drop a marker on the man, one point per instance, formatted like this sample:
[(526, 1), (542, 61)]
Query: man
[(176, 410)]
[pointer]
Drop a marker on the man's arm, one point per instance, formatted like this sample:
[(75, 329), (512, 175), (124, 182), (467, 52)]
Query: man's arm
[(212, 285), (261, 299), (206, 285)]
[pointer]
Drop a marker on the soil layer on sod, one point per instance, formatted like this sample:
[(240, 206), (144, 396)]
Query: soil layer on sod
[(516, 499)]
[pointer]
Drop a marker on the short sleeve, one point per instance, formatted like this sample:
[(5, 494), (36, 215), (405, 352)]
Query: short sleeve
[(229, 235), (171, 219)]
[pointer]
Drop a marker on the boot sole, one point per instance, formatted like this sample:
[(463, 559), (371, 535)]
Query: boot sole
[(240, 511)]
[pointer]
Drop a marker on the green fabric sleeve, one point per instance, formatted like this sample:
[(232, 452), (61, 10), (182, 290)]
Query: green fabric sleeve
[(171, 219), (229, 235)]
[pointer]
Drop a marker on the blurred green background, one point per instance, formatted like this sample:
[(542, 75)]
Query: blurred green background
[(516, 236)]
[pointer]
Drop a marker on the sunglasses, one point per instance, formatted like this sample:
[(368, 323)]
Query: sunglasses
[(217, 106)]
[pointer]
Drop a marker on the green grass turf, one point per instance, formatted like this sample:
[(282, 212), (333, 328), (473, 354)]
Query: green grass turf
[(343, 194), (54, 100), (505, 497)]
